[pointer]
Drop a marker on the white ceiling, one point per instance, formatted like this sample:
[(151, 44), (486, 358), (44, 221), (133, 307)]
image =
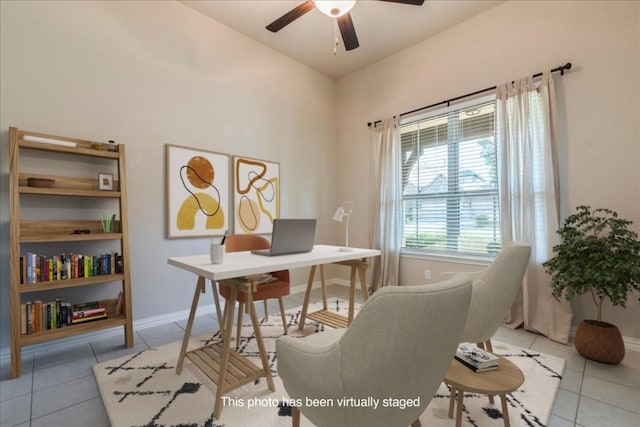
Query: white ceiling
[(383, 28)]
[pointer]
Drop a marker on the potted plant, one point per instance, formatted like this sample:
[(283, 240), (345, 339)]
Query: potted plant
[(600, 255)]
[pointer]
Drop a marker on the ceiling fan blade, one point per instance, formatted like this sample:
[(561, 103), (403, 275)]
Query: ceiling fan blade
[(290, 16), (412, 2), (348, 31)]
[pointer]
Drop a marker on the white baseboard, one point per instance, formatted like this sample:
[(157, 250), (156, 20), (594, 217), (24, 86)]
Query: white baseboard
[(631, 344), (141, 324), (138, 325)]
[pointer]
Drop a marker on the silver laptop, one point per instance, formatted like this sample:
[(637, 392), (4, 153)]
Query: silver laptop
[(290, 236)]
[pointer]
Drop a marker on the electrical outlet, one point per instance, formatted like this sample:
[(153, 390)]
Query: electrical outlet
[(427, 274)]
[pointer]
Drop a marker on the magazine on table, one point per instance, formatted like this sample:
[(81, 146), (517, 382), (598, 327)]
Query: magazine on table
[(476, 358)]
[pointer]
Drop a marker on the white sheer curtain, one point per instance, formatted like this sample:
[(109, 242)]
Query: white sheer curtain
[(527, 178), (386, 203)]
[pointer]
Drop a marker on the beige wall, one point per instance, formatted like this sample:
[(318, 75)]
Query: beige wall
[(150, 73), (599, 106)]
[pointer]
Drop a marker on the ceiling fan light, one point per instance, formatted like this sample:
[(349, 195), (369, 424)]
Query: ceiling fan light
[(334, 8)]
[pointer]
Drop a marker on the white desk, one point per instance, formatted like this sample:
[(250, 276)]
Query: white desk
[(226, 368)]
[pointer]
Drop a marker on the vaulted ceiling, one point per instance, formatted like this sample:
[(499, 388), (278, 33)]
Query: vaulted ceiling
[(383, 28)]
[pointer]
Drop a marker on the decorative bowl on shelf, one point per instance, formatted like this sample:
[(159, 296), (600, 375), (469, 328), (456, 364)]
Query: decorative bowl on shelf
[(41, 182)]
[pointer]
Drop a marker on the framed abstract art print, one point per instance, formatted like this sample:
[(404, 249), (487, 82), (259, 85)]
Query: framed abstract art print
[(197, 192), (256, 195)]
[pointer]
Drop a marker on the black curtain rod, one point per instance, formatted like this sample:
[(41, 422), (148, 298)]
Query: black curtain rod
[(561, 69)]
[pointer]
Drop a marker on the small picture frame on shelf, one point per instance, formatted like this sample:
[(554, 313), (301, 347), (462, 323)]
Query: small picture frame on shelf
[(105, 181)]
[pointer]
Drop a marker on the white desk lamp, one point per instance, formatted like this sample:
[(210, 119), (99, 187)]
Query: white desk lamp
[(342, 212)]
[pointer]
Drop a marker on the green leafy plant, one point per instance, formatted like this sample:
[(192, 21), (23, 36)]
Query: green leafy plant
[(598, 254), (424, 240)]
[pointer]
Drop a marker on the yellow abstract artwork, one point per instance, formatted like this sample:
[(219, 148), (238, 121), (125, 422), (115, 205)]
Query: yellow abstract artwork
[(198, 192)]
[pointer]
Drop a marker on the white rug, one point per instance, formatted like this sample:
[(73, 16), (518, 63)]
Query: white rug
[(143, 389)]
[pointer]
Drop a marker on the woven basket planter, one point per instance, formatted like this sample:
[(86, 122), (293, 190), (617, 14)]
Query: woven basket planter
[(599, 341)]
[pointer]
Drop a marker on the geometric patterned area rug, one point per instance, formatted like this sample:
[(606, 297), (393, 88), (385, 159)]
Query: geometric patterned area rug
[(143, 389)]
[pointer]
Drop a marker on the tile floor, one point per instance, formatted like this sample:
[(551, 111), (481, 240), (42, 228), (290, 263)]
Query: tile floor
[(57, 387)]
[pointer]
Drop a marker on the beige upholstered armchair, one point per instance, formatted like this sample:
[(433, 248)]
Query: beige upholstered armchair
[(494, 291), (399, 347)]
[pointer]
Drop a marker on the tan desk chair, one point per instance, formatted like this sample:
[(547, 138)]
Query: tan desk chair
[(399, 346), (276, 289)]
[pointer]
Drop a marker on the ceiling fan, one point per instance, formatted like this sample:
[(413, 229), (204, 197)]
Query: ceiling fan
[(338, 9)]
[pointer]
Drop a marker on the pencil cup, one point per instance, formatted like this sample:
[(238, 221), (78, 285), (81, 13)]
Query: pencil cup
[(107, 223), (217, 254)]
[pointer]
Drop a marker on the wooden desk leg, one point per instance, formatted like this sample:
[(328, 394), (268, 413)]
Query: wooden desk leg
[(307, 296), (362, 272), (296, 417), (352, 293), (459, 408), (505, 410), (216, 300), (187, 331), (261, 347), (452, 399), (283, 315), (323, 288), (226, 336)]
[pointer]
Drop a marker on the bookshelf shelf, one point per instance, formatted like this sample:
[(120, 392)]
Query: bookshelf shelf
[(66, 186), (82, 148), (68, 192), (71, 283), (28, 181), (46, 237), (72, 330), (65, 231)]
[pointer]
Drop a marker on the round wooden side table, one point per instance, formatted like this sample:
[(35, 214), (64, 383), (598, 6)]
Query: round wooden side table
[(507, 378)]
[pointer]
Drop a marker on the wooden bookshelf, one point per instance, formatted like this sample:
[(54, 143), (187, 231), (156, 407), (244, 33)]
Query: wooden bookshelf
[(61, 231)]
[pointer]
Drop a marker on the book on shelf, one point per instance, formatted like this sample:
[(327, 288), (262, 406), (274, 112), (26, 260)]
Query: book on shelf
[(120, 304), (88, 318), (88, 313), (88, 309), (23, 319), (87, 306), (476, 358), (39, 316), (32, 320), (36, 268)]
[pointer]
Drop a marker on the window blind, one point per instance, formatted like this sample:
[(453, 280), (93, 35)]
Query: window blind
[(449, 182)]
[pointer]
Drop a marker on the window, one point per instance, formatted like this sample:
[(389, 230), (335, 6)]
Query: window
[(449, 182)]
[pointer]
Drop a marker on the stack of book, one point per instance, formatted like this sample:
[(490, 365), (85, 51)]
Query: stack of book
[(475, 358), (87, 312)]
